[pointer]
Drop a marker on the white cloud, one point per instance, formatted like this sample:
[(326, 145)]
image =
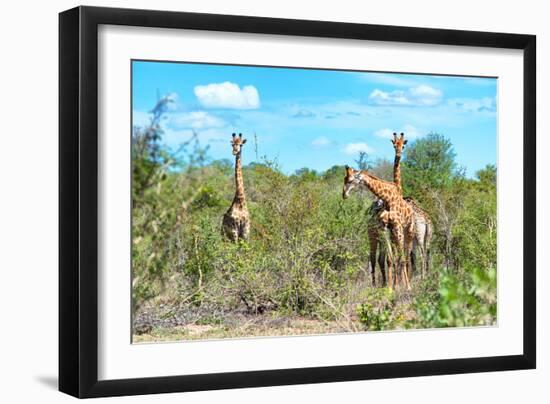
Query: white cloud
[(486, 104), (355, 148), (321, 141), (392, 79), (384, 133), (425, 95), (410, 132), (396, 97), (421, 95), (195, 120), (227, 95)]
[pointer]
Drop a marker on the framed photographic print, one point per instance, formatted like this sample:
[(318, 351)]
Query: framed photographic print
[(251, 201)]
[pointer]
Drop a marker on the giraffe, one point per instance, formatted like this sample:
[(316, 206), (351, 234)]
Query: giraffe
[(398, 144), (423, 224), (236, 221), (398, 216), (423, 236), (376, 228)]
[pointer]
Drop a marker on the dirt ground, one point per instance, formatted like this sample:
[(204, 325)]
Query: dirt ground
[(249, 326), (165, 323)]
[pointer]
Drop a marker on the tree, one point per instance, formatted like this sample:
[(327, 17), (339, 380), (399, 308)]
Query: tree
[(431, 176), (363, 162), (335, 171), (384, 169), (159, 206), (305, 174), (224, 165), (429, 163), (487, 176), (150, 160)]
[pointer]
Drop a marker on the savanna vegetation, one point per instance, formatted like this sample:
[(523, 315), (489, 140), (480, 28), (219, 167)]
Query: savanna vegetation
[(305, 268)]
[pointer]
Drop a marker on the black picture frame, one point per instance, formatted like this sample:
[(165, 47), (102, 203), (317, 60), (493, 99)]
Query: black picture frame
[(78, 201)]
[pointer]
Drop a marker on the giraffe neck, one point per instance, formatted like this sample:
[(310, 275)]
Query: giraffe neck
[(239, 183), (382, 189), (397, 173)]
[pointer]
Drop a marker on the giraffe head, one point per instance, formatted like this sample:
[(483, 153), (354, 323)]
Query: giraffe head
[(399, 143), (237, 143), (351, 180)]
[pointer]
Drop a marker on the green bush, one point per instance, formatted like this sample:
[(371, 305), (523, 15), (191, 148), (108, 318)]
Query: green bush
[(378, 311), (467, 301)]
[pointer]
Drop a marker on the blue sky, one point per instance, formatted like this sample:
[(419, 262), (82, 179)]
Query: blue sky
[(317, 118)]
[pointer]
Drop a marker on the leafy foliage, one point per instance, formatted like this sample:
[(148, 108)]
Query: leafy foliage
[(460, 302), (429, 164), (308, 252), (377, 312)]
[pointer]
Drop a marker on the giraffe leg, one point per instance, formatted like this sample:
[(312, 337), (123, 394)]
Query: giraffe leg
[(244, 230), (234, 234), (426, 244), (391, 263), (421, 232), (382, 264), (413, 260), (396, 239), (399, 242), (408, 247), (373, 242), (407, 254), (427, 259), (229, 230), (423, 263), (387, 259)]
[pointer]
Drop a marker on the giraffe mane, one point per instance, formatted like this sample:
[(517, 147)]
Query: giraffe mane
[(368, 174)]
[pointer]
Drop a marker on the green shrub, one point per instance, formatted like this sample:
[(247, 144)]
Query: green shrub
[(467, 301), (377, 312)]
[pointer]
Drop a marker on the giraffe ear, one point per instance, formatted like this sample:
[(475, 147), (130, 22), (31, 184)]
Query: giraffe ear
[(405, 142), (244, 141)]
